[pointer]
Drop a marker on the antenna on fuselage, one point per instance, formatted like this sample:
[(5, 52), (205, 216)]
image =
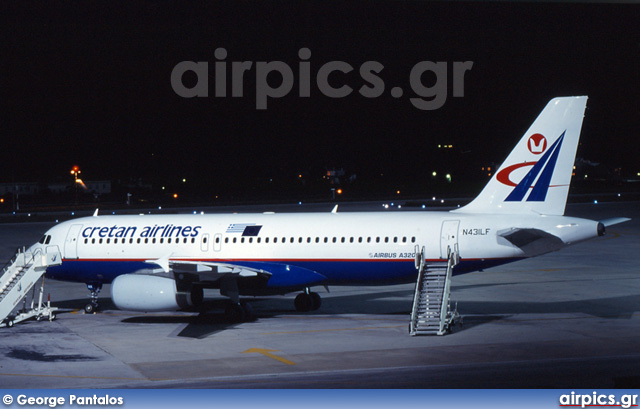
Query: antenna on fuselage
[(95, 214), (335, 209)]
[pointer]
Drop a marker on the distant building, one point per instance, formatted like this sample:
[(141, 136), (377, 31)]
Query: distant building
[(32, 188)]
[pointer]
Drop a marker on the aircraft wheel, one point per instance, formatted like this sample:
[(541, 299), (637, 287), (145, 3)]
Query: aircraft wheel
[(303, 302), (316, 301), (235, 313), (248, 311), (90, 308), (10, 323), (52, 317)]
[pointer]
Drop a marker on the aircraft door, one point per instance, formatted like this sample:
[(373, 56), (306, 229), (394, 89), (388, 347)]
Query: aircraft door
[(71, 242), (448, 236), (217, 242)]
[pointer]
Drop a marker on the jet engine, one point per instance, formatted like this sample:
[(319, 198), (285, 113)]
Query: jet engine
[(139, 292)]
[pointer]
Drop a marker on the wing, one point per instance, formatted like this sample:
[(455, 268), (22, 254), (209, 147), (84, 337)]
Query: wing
[(276, 275)]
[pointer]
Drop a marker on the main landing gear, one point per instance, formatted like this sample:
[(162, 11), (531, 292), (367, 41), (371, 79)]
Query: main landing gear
[(92, 306), (239, 312), (307, 301)]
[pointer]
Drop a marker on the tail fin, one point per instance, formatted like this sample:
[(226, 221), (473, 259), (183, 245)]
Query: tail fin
[(535, 176)]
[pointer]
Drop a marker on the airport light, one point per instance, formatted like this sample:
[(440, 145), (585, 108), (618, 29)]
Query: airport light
[(75, 171), (175, 195), (434, 173), (448, 176), (339, 191)]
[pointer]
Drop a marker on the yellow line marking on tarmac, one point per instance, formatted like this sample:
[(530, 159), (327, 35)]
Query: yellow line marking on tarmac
[(267, 352)]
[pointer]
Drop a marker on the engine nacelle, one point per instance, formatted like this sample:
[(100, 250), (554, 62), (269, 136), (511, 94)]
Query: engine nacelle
[(138, 292)]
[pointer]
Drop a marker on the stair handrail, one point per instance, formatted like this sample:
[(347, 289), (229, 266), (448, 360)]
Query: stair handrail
[(420, 265), (28, 260), (453, 259)]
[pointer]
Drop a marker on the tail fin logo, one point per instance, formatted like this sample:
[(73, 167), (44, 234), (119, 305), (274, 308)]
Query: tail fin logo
[(537, 144), (544, 167)]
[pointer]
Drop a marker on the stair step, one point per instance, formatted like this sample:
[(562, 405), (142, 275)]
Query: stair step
[(430, 296)]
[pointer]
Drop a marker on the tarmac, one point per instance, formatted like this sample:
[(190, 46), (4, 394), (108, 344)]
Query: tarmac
[(569, 319)]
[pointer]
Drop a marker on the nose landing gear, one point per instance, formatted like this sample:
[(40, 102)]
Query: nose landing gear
[(92, 306)]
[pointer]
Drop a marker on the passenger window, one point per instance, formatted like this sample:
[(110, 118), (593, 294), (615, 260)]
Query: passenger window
[(395, 239), (404, 239), (326, 239), (351, 240), (413, 239), (386, 239), (377, 239), (86, 241), (93, 241), (335, 239), (235, 239)]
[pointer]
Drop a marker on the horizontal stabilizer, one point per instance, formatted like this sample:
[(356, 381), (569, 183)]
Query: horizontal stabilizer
[(614, 220), (532, 241)]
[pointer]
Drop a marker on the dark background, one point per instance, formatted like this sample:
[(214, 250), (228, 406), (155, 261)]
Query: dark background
[(88, 84)]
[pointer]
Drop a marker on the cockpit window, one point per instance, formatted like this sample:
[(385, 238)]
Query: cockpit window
[(46, 239)]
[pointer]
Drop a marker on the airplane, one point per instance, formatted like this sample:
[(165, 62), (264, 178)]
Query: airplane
[(163, 262)]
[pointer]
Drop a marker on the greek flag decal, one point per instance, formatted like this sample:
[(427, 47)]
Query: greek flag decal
[(546, 165)]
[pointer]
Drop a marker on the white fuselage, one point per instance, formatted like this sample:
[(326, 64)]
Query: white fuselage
[(368, 248)]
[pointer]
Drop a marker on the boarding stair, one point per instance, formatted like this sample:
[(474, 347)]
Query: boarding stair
[(19, 277), (431, 313)]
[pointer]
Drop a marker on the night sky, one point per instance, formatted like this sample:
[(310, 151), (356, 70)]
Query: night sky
[(89, 85)]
